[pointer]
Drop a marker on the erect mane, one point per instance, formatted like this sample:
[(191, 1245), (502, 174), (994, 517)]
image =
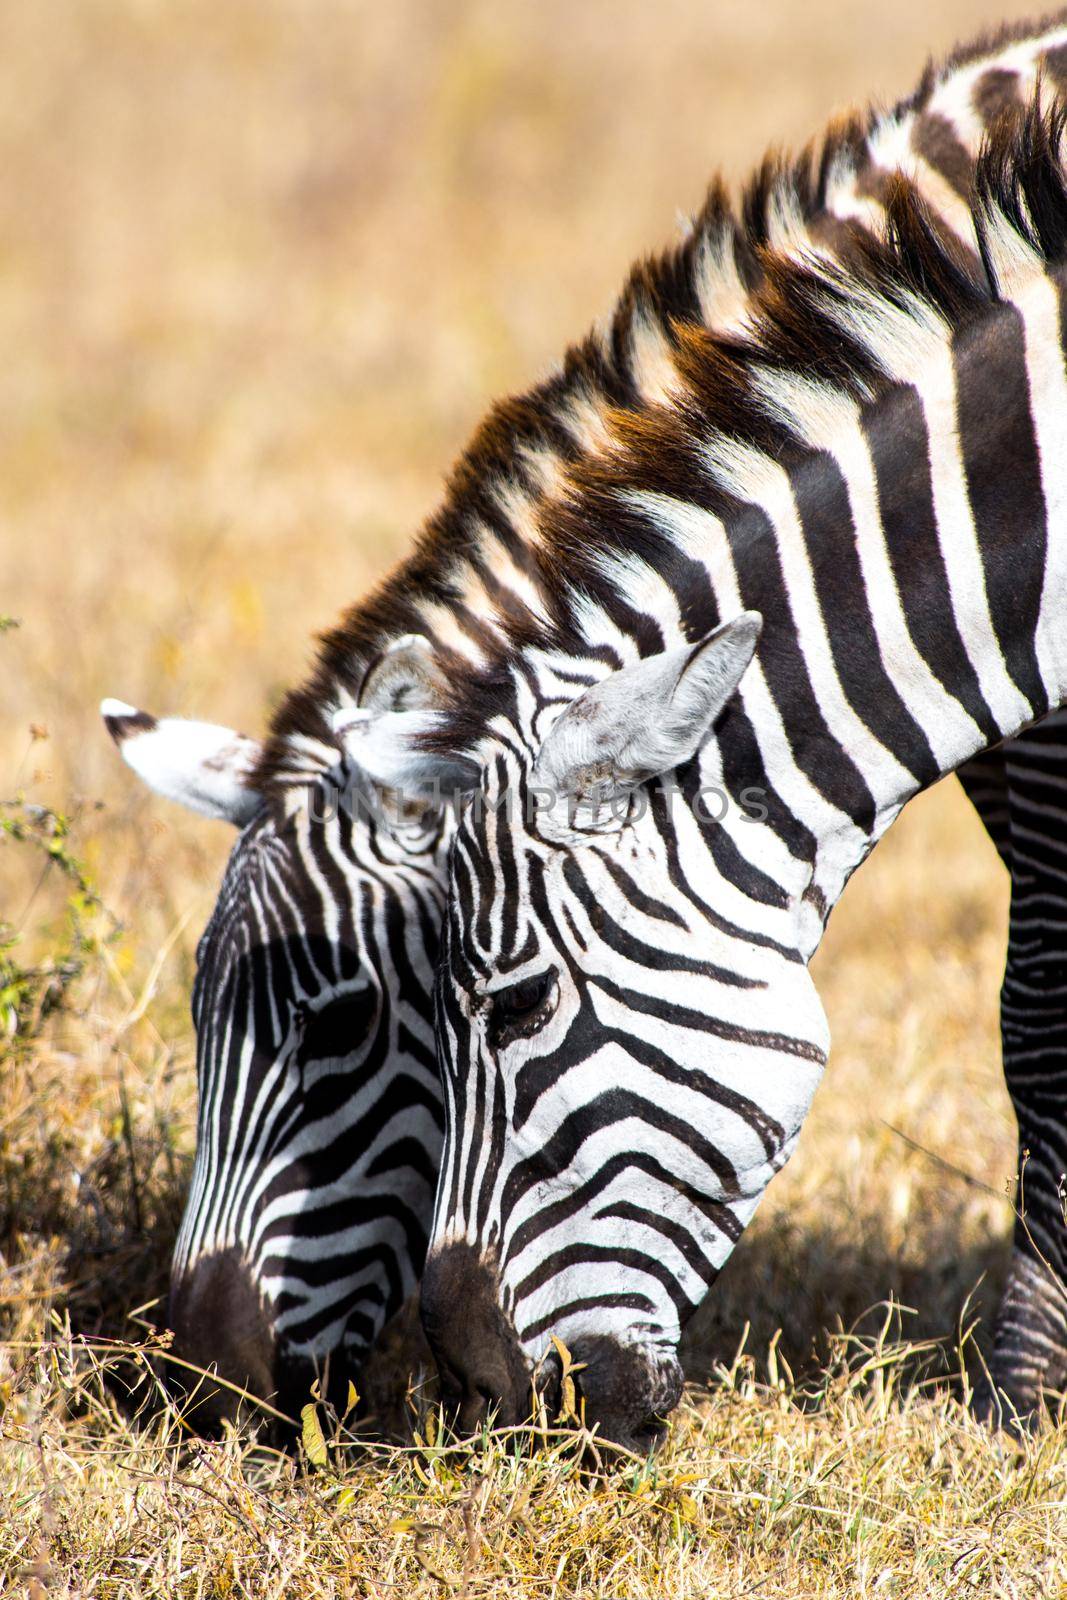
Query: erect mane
[(534, 511)]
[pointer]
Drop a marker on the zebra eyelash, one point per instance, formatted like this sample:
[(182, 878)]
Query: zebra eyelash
[(521, 1010)]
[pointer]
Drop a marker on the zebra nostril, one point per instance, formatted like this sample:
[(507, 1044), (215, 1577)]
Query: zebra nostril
[(648, 1433), (479, 1400), (473, 1412)]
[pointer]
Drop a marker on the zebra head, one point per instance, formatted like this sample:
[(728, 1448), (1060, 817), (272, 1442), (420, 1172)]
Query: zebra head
[(319, 1120), (628, 1035)]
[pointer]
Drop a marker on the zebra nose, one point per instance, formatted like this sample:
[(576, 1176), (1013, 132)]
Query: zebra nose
[(627, 1392), (224, 1351), (473, 1398), (478, 1356)]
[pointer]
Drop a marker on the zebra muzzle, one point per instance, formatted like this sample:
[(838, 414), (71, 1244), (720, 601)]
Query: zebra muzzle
[(225, 1356), (484, 1374), (624, 1392)]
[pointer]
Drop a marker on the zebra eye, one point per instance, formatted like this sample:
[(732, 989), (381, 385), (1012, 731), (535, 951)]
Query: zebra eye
[(522, 1010)]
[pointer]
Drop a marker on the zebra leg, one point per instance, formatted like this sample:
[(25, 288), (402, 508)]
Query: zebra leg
[(984, 780), (1030, 1336)]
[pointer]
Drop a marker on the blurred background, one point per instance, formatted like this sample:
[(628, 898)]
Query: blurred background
[(262, 267)]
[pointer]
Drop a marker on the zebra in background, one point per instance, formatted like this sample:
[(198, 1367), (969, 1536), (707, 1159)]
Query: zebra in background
[(827, 568), (312, 1000), (319, 1119)]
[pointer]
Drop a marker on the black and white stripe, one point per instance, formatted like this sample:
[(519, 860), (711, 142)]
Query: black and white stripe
[(319, 1117), (876, 465)]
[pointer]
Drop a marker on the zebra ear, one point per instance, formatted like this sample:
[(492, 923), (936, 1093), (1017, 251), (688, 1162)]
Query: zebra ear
[(405, 677), (397, 701), (386, 748), (202, 766), (645, 719)]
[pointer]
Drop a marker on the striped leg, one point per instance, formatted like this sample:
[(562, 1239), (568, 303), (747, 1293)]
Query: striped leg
[(1030, 1349), (984, 780)]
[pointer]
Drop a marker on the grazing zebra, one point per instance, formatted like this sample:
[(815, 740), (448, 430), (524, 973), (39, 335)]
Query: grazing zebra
[(319, 1117), (311, 1003), (826, 567)]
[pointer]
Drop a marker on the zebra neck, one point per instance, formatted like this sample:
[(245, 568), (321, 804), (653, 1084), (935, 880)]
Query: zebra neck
[(911, 568)]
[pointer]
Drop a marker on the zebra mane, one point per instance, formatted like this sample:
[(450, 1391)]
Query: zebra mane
[(745, 333)]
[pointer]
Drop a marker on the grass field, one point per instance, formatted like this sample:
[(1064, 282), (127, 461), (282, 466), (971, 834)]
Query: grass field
[(261, 268)]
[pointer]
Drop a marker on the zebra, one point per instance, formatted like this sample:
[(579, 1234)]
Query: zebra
[(319, 1112), (288, 1207), (826, 568)]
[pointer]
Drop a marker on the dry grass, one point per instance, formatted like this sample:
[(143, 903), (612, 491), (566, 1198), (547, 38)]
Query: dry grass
[(261, 266)]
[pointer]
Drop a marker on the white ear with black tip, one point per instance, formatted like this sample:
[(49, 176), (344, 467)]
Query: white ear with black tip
[(646, 719), (199, 764)]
